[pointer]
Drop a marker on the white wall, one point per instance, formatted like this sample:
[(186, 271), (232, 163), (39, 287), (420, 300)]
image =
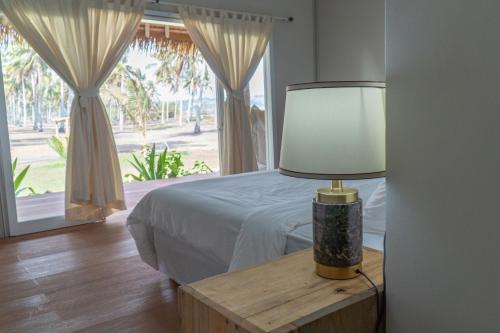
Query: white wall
[(292, 46), (443, 122), (350, 40), (3, 221)]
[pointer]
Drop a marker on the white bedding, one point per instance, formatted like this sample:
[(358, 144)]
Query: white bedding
[(232, 221)]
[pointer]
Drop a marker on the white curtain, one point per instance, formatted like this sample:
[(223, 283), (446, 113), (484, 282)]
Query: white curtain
[(83, 41), (232, 44)]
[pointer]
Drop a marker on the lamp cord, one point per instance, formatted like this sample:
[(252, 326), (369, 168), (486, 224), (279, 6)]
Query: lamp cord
[(377, 295), (381, 302)]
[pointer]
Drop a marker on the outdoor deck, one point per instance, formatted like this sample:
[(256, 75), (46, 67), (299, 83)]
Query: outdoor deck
[(47, 205)]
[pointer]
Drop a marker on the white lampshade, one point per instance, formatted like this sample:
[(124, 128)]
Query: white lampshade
[(334, 130)]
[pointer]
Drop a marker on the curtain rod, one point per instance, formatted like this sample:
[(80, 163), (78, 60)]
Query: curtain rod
[(278, 18)]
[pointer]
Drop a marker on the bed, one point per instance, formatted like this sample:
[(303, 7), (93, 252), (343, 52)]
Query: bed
[(198, 229)]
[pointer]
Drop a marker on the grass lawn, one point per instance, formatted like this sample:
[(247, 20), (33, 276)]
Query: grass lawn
[(45, 177), (49, 176), (47, 171)]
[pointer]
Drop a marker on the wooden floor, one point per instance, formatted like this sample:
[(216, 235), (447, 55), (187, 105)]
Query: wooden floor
[(82, 279)]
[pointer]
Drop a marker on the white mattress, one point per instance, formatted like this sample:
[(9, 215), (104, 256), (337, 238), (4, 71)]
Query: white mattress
[(193, 230)]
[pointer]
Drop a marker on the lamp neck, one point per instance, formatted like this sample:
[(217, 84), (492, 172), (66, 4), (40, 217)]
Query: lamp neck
[(337, 185), (336, 194)]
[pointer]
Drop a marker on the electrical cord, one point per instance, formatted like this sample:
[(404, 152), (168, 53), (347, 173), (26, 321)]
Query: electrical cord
[(385, 288), (377, 295), (381, 302)]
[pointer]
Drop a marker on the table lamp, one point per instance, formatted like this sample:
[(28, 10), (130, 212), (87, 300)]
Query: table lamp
[(335, 131)]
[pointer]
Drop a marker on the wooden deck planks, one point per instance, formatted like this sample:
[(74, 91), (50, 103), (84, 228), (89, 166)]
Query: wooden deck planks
[(91, 279), (47, 205), (86, 278)]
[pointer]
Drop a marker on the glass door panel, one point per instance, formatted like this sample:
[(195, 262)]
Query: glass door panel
[(260, 113)]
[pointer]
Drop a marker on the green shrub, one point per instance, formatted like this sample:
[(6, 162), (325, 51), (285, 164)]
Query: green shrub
[(59, 145), (150, 166), (175, 165), (18, 179), (200, 167), (153, 165)]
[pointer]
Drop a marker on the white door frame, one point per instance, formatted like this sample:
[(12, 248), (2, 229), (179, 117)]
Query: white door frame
[(12, 226), (269, 117), (7, 195)]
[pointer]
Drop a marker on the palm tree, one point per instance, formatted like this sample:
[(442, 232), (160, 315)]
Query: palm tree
[(61, 99), (196, 80), (169, 72), (52, 99), (128, 87), (25, 62), (188, 71), (142, 98), (202, 83), (36, 82), (15, 78), (114, 89)]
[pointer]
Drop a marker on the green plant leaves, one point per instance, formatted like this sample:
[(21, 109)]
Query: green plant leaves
[(14, 165), (18, 179), (153, 165), (59, 145)]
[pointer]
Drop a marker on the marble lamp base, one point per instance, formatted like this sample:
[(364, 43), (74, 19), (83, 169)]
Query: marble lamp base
[(338, 239)]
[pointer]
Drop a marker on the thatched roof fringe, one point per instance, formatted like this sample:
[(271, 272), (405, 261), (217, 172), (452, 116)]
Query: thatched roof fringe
[(156, 43), (162, 46), (160, 39)]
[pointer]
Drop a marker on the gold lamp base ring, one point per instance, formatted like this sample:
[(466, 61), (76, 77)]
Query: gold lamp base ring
[(338, 273)]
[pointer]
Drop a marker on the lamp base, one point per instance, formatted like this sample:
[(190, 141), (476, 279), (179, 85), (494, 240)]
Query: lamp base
[(338, 238), (338, 273)]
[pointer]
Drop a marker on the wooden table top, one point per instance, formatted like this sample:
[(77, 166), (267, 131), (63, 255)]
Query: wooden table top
[(284, 293)]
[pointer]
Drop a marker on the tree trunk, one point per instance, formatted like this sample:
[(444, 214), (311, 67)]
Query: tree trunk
[(61, 107), (40, 104), (18, 111), (191, 101), (197, 125), (167, 110), (68, 103), (123, 91), (40, 115), (25, 112), (10, 110), (175, 109), (121, 117), (180, 111), (143, 126), (189, 108), (35, 101), (163, 112)]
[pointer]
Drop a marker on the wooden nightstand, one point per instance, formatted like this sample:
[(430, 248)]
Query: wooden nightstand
[(283, 295)]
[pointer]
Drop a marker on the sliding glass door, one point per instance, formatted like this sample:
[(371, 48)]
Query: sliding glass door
[(149, 101), (261, 113), (35, 105)]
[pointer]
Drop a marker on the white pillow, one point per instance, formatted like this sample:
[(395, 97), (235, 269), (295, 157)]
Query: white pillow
[(374, 211)]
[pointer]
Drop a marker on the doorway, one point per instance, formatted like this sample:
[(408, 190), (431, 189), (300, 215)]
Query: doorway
[(147, 108)]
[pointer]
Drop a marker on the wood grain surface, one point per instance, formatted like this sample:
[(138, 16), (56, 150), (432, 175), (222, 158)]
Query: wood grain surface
[(284, 295)]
